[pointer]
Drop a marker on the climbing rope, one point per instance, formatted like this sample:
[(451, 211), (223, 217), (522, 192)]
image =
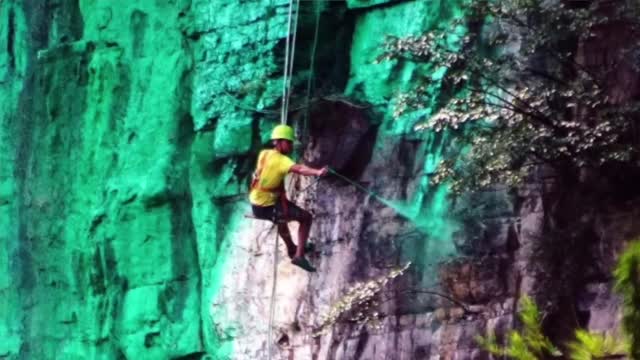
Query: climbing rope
[(288, 59), (310, 185), (286, 67), (286, 89), (292, 57), (272, 305), (317, 9)]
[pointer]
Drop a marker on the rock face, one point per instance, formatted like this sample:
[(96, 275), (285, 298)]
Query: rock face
[(129, 129)]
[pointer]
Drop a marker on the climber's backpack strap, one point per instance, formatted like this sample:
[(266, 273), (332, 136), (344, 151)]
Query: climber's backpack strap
[(280, 190), (255, 178)]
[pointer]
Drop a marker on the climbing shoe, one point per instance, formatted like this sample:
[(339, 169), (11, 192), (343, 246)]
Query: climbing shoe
[(303, 263), (308, 247)]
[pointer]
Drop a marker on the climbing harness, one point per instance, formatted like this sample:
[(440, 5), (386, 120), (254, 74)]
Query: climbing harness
[(280, 190)]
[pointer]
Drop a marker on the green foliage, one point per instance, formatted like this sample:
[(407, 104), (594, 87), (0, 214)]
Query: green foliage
[(526, 344), (359, 303), (627, 276), (529, 343), (588, 346), (520, 92)]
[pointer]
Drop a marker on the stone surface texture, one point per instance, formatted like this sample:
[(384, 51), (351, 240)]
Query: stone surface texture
[(128, 132)]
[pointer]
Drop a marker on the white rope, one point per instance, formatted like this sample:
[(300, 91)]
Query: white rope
[(290, 50), (312, 59), (292, 56), (272, 306), (283, 119)]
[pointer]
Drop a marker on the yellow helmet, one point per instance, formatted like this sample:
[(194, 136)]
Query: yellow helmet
[(282, 132)]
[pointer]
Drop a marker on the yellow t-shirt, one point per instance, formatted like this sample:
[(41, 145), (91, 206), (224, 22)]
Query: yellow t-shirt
[(275, 168)]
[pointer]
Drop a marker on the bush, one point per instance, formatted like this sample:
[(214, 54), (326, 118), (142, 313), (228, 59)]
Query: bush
[(529, 343), (627, 276)]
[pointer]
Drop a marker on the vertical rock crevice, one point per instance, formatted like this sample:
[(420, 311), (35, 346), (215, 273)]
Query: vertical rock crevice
[(11, 29)]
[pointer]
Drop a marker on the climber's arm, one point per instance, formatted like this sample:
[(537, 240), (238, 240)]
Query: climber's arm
[(308, 171)]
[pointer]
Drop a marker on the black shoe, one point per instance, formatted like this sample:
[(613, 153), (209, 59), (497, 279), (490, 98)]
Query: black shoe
[(308, 247), (303, 263)]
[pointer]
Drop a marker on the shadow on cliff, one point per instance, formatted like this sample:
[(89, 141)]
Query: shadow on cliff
[(340, 136)]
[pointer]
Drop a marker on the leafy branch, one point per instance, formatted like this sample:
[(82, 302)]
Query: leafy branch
[(359, 303), (511, 74)]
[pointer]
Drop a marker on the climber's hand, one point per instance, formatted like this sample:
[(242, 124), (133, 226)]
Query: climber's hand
[(324, 171)]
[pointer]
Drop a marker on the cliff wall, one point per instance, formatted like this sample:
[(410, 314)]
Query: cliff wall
[(127, 136)]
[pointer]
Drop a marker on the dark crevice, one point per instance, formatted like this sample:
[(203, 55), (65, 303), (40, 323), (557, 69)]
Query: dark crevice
[(363, 339), (341, 137), (390, 3), (357, 163), (138, 27), (24, 131), (193, 356), (95, 223), (151, 339), (11, 40), (76, 21), (331, 57), (284, 340), (184, 242)]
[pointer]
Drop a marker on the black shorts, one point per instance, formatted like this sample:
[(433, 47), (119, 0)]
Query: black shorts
[(273, 212)]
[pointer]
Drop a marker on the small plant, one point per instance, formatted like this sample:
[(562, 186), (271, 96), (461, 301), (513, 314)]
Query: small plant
[(588, 346), (359, 303), (529, 343), (627, 276)]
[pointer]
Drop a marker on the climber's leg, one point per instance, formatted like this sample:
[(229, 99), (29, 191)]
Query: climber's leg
[(275, 214), (303, 232), (295, 213), (283, 230), (304, 218)]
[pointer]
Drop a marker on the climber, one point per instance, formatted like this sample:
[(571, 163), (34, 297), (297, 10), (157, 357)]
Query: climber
[(269, 200)]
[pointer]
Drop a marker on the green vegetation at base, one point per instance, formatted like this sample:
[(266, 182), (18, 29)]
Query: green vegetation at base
[(591, 346), (529, 342), (627, 276)]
